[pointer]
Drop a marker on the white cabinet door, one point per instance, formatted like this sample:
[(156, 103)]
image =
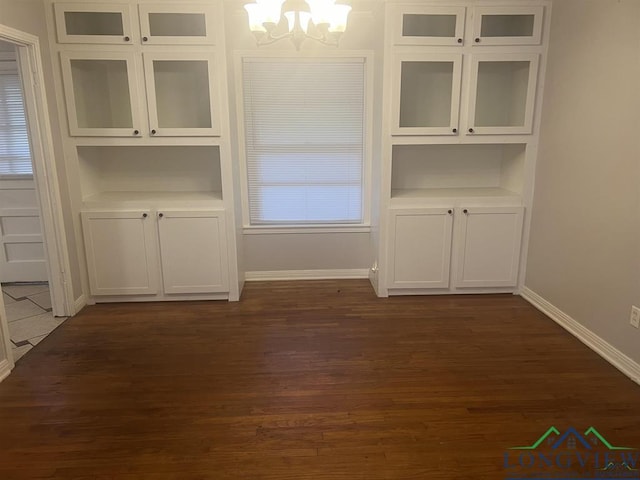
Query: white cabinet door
[(193, 251), (428, 25), (121, 252), (488, 246), (426, 93), (101, 93), (106, 23), (178, 23), (507, 25), (502, 93), (181, 94), (420, 248)]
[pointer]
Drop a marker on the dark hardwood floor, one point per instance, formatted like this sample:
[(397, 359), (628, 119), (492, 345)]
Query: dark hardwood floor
[(303, 380)]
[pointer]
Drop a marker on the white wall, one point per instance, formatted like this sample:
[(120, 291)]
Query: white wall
[(584, 254), (29, 16), (302, 251)]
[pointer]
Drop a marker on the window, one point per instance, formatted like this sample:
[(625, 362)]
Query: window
[(304, 137), (15, 155)]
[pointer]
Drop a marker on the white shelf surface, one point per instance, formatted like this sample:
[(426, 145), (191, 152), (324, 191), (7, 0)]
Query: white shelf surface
[(453, 196), (149, 200)]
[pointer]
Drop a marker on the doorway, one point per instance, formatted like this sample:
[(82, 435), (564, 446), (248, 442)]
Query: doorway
[(31, 222)]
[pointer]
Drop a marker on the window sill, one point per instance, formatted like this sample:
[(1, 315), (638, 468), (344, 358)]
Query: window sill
[(16, 176), (304, 229)]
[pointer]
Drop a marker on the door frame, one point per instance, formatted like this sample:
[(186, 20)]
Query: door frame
[(45, 178)]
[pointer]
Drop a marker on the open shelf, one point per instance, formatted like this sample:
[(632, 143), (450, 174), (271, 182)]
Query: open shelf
[(427, 174), (146, 176)]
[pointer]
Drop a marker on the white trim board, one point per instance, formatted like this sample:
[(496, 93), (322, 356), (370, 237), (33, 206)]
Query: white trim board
[(607, 351), (307, 274), (5, 369)]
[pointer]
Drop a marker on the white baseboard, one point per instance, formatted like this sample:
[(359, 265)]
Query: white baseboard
[(607, 351), (307, 274), (79, 304), (5, 369)]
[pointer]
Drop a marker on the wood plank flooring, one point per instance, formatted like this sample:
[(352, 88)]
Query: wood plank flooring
[(303, 380)]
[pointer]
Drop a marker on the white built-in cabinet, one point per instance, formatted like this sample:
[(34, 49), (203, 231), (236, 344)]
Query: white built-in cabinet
[(129, 250), (132, 87), (483, 243), (144, 86), (463, 91)]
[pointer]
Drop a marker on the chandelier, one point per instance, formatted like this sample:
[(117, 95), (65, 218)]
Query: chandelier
[(320, 20)]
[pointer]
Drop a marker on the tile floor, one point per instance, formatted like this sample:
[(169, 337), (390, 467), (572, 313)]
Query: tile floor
[(28, 308)]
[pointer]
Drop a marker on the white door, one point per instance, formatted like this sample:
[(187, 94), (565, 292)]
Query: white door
[(193, 251), (428, 25), (121, 252), (22, 257), (507, 25), (176, 24), (488, 246), (420, 248), (181, 93)]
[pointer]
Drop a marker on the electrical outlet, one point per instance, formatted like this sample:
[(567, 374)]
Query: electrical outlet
[(635, 316)]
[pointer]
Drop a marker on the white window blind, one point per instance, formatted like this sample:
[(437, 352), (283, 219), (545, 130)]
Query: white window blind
[(15, 154), (304, 131)]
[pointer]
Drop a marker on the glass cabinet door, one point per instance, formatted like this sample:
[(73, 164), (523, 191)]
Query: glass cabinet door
[(507, 25), (162, 24), (93, 23), (100, 91), (502, 96), (426, 94), (181, 96), (429, 25)]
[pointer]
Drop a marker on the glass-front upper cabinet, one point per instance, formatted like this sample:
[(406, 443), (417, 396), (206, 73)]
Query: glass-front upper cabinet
[(181, 94), (507, 25), (503, 89), (106, 22), (420, 25), (164, 24), (100, 91), (426, 91)]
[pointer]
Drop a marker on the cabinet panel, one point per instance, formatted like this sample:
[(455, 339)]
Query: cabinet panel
[(166, 24), (100, 91), (503, 88), (181, 94), (488, 246), (420, 248), (507, 25), (93, 23), (415, 25), (121, 252), (426, 94), (193, 251)]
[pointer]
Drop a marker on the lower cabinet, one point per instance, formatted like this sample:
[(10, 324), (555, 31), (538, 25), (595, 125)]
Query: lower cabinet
[(129, 251), (481, 244)]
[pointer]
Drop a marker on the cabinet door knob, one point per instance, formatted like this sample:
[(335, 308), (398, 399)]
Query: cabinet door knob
[(127, 39), (471, 130), (153, 132), (136, 132), (477, 40), (459, 40), (146, 39), (450, 212), (161, 215), (465, 211), (144, 215), (454, 130)]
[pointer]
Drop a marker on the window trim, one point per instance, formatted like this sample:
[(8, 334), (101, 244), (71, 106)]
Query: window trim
[(364, 56)]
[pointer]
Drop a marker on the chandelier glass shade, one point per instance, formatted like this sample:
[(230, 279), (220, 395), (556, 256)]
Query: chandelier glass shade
[(320, 20)]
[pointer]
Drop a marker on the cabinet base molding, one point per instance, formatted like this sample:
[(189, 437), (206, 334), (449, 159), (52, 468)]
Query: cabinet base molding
[(5, 369), (307, 274), (156, 298), (603, 348), (445, 291)]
